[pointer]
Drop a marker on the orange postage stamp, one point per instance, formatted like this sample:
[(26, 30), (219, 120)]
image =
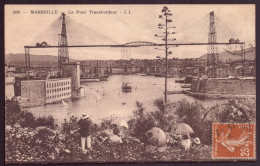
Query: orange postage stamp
[(233, 141)]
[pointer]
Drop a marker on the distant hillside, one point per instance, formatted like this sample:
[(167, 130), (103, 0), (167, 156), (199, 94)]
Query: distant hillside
[(34, 58), (51, 59), (250, 55)]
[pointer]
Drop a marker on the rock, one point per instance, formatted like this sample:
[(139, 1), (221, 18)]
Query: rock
[(150, 149), (115, 139)]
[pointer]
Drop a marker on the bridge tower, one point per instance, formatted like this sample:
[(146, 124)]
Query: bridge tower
[(213, 53), (63, 53)]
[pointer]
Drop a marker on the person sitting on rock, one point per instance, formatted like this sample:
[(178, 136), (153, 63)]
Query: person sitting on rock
[(196, 142), (115, 138), (185, 142)]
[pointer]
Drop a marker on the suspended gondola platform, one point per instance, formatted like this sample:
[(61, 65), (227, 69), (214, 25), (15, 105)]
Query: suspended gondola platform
[(126, 88)]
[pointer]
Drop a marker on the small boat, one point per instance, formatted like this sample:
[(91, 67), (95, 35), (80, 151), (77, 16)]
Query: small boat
[(186, 86), (174, 92), (102, 79), (64, 103), (180, 81), (141, 74), (89, 80), (126, 87), (159, 75), (98, 97), (186, 80)]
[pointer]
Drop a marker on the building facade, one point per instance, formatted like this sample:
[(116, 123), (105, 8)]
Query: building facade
[(57, 89), (40, 92)]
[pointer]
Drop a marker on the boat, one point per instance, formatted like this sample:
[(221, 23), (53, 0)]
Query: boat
[(174, 92), (187, 79), (186, 86), (180, 81), (98, 97), (103, 79), (126, 87), (64, 103), (141, 74), (125, 53), (89, 80), (159, 75), (163, 75)]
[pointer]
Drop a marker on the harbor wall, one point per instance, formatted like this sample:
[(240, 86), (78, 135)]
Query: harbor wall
[(224, 86)]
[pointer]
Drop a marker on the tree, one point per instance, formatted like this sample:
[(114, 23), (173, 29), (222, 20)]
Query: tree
[(166, 13)]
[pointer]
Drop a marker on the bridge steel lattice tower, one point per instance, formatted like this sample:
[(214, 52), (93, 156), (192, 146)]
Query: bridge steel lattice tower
[(212, 52), (63, 52)]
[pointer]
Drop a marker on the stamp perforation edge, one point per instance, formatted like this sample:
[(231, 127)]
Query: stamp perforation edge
[(236, 158)]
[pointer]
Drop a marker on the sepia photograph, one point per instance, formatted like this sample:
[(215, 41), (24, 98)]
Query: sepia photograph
[(130, 83)]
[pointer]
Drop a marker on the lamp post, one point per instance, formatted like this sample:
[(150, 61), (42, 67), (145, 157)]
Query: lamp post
[(166, 13)]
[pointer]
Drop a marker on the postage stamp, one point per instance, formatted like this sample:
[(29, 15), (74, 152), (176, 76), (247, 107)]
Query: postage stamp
[(233, 141)]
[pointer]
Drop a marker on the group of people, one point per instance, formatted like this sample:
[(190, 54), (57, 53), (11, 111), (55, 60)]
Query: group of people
[(186, 142), (84, 130), (85, 126)]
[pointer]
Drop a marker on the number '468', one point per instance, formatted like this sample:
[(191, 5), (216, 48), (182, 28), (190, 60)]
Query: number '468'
[(16, 11)]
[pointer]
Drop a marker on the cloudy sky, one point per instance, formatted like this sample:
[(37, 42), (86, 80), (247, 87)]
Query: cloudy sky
[(191, 21)]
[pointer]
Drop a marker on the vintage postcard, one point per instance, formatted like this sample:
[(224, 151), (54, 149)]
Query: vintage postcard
[(130, 83)]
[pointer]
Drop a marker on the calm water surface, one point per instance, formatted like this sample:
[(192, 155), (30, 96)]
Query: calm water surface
[(105, 99)]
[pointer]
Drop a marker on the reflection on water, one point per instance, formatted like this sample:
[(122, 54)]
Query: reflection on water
[(105, 98)]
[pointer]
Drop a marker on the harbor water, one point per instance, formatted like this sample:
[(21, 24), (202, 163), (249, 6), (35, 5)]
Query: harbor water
[(105, 98)]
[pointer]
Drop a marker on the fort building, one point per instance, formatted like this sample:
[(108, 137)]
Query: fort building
[(40, 92)]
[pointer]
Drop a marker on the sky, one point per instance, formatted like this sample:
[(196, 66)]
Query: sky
[(191, 21)]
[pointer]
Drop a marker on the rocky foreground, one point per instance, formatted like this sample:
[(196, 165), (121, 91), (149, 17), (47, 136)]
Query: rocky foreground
[(48, 145)]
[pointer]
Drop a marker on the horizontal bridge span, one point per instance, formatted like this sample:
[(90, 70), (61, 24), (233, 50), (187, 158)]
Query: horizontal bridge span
[(133, 45), (139, 43)]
